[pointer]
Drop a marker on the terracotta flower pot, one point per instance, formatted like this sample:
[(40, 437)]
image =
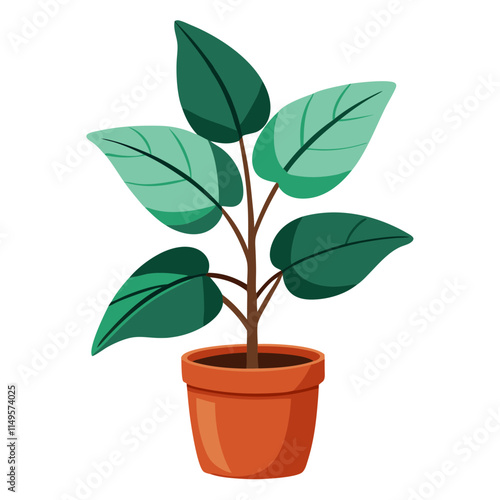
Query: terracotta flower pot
[(253, 423)]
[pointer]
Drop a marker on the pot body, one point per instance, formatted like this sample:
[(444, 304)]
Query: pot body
[(253, 423)]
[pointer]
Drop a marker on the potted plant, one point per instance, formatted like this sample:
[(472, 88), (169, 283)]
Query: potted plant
[(252, 407)]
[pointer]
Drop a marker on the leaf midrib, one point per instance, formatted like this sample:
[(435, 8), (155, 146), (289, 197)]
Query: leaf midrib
[(180, 173), (332, 249), (145, 300), (322, 130), (211, 67)]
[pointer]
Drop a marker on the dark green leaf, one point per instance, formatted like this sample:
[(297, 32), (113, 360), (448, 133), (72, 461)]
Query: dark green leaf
[(222, 96), (181, 178), (312, 144), (327, 254), (170, 295)]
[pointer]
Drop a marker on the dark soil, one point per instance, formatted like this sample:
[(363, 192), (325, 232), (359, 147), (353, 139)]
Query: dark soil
[(266, 360)]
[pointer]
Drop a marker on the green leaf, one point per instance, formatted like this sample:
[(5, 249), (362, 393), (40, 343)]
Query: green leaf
[(324, 255), (170, 295), (222, 96), (312, 144), (181, 178)]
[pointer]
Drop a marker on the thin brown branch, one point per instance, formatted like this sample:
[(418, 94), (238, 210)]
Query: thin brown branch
[(252, 360), (274, 190), (236, 232), (268, 282), (268, 297), (235, 310), (225, 277), (248, 186)]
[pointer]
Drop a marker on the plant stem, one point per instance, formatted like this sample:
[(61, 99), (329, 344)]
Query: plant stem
[(268, 297), (274, 190), (235, 310), (225, 277), (252, 309), (236, 232), (268, 282)]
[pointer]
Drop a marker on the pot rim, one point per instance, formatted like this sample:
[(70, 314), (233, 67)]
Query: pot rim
[(277, 380), (206, 352)]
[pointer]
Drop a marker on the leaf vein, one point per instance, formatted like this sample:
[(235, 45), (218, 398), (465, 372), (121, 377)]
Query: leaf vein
[(180, 173), (143, 138), (230, 103), (183, 152), (339, 149), (355, 118), (155, 184), (322, 130), (354, 229), (303, 120), (338, 101), (299, 261), (142, 302)]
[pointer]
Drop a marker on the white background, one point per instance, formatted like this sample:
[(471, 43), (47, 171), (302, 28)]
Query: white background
[(64, 237)]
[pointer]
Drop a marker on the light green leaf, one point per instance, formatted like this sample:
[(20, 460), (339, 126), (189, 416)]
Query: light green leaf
[(312, 144), (181, 178), (323, 255), (222, 96), (170, 295)]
